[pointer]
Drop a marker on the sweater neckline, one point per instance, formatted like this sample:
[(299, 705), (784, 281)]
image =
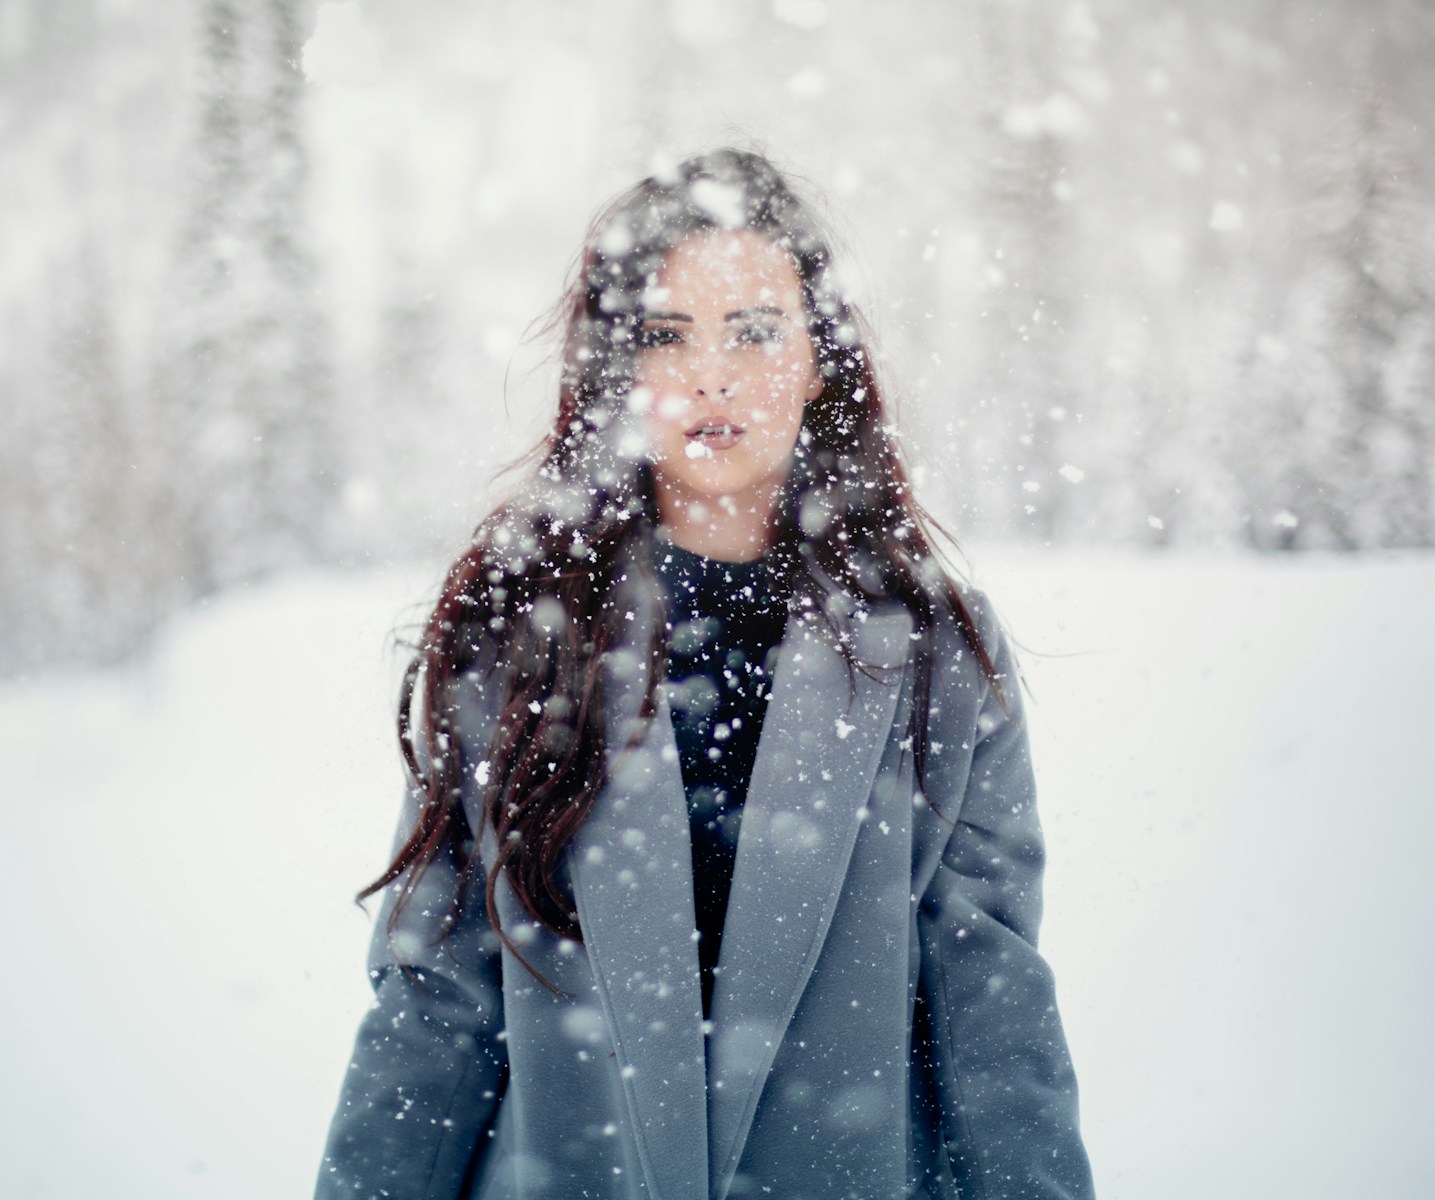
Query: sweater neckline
[(756, 586)]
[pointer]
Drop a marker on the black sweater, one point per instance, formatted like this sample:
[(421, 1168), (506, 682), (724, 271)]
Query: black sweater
[(725, 621)]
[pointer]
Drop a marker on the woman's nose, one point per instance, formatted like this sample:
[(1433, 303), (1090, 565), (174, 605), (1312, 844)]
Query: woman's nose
[(712, 377), (712, 392)]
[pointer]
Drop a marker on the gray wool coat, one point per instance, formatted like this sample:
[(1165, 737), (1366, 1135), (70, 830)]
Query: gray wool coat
[(882, 1024)]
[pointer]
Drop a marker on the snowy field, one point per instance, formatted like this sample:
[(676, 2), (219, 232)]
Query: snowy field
[(1237, 784)]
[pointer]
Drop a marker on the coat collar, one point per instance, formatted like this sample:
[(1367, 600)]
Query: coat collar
[(821, 743), (633, 882)]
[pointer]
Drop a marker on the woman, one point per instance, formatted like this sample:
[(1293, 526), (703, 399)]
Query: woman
[(720, 871)]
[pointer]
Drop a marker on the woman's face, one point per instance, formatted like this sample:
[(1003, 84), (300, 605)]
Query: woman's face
[(724, 367)]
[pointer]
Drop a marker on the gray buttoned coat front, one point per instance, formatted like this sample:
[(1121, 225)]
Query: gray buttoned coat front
[(882, 1025)]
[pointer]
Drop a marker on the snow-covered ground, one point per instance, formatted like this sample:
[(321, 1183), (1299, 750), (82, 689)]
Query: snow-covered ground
[(1235, 758)]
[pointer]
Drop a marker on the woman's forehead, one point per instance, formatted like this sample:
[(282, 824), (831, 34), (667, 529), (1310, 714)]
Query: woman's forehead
[(723, 260)]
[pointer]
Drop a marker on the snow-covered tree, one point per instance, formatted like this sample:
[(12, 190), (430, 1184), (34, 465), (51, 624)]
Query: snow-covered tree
[(245, 384), (1367, 444), (1023, 398)]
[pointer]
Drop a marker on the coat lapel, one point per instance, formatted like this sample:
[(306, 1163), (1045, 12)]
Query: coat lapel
[(631, 864), (633, 882), (821, 744)]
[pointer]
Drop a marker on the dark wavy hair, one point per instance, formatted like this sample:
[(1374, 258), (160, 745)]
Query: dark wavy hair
[(537, 599)]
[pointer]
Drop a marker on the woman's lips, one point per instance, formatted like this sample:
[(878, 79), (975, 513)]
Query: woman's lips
[(712, 436)]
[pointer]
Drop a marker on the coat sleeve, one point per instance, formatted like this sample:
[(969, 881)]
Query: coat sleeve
[(1006, 1087), (422, 1089)]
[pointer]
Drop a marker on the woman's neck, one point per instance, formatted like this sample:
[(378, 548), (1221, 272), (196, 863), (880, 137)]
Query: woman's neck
[(717, 526)]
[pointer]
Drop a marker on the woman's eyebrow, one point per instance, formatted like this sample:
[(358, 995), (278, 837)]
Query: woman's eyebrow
[(763, 309), (757, 310)]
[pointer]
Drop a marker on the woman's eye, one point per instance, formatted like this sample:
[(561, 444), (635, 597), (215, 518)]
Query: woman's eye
[(649, 337), (758, 335)]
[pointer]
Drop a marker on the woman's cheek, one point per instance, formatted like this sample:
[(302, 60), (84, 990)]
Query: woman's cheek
[(671, 406)]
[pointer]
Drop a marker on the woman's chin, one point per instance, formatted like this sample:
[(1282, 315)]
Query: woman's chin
[(721, 481)]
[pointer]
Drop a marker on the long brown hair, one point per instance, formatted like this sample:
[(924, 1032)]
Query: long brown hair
[(544, 590)]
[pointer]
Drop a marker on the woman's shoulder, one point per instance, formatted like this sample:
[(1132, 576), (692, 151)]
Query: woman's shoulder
[(971, 649), (477, 683), (981, 612)]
